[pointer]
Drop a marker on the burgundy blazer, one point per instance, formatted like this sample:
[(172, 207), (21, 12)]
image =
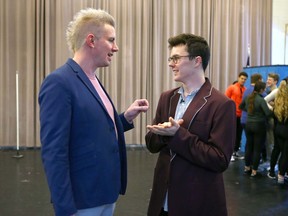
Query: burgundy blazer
[(203, 146)]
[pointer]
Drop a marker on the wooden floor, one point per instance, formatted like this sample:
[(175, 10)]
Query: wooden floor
[(24, 191)]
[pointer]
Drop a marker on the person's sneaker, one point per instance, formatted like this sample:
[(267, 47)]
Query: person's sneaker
[(280, 179), (255, 175), (238, 156), (247, 171), (232, 159), (271, 175)]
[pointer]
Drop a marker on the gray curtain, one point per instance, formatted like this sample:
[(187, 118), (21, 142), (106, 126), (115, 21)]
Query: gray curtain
[(33, 43)]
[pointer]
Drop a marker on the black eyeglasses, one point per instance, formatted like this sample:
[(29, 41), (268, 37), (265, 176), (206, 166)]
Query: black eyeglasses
[(175, 59)]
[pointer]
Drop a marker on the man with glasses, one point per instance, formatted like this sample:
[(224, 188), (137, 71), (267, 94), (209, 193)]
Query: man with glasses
[(193, 131)]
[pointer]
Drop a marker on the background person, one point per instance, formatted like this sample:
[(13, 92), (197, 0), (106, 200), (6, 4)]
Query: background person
[(253, 79), (271, 87), (257, 114), (281, 135), (271, 82), (275, 146), (235, 92), (82, 136)]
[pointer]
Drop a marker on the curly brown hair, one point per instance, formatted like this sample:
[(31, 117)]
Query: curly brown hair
[(281, 102)]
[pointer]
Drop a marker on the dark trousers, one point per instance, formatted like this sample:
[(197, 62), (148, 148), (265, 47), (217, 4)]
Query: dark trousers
[(256, 134), (281, 137), (274, 155), (239, 130)]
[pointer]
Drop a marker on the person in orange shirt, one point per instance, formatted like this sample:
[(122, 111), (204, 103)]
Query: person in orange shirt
[(235, 92)]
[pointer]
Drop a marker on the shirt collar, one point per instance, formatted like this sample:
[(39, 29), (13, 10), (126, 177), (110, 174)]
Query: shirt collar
[(181, 91)]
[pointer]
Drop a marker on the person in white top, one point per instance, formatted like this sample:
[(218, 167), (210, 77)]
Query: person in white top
[(271, 86), (275, 151)]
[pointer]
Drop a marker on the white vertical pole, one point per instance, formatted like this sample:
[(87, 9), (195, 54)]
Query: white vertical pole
[(17, 110), (17, 117)]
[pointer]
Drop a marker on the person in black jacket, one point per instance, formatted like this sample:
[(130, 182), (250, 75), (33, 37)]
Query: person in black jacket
[(258, 112)]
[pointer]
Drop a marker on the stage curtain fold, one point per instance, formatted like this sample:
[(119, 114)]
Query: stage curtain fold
[(33, 44)]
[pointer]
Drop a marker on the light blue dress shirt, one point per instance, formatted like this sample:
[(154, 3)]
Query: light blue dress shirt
[(182, 106)]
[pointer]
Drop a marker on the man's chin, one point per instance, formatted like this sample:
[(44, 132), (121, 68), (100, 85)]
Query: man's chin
[(106, 64), (176, 79)]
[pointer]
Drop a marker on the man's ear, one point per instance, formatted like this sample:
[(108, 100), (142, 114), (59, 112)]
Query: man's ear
[(198, 60), (90, 40)]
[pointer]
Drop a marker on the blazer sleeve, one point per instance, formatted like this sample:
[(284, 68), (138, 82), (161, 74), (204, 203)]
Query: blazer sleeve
[(126, 125), (213, 153), (154, 142)]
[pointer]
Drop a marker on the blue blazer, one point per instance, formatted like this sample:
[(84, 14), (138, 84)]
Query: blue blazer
[(84, 162)]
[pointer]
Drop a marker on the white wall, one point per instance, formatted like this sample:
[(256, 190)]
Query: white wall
[(280, 19)]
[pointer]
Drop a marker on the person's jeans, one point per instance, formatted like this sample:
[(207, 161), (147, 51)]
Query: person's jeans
[(104, 210)]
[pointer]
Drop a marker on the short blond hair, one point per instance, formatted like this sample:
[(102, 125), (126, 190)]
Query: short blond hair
[(84, 22)]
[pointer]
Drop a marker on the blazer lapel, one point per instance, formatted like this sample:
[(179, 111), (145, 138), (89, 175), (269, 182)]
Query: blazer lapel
[(82, 76), (173, 103), (85, 80)]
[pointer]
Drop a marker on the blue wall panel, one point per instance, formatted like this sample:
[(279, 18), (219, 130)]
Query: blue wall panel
[(282, 70)]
